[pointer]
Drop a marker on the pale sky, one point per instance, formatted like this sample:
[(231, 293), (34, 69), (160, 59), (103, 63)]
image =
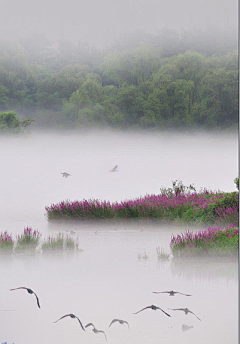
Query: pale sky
[(99, 21)]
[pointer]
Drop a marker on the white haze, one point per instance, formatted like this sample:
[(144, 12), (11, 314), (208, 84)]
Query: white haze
[(100, 22), (118, 269), (31, 167)]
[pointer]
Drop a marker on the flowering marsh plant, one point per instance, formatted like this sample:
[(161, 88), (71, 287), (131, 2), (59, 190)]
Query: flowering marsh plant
[(29, 239), (217, 239), (6, 241), (191, 207)]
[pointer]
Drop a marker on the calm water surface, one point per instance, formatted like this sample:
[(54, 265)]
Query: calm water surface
[(118, 269)]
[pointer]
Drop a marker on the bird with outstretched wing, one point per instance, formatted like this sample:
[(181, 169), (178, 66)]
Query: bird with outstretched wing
[(95, 330), (114, 169), (185, 310), (153, 307), (65, 174), (120, 322), (171, 293), (73, 317), (30, 291)]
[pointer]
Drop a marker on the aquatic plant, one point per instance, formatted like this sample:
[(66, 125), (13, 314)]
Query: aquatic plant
[(59, 243), (161, 254), (142, 256), (190, 207), (29, 239), (69, 243), (6, 241), (212, 240), (53, 243)]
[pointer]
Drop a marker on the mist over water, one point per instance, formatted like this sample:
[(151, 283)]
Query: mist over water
[(118, 269)]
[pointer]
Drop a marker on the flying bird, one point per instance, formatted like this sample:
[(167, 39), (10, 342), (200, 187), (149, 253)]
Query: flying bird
[(120, 322), (30, 291), (185, 310), (114, 169), (171, 293), (73, 317), (95, 330), (154, 308), (65, 174), (186, 327)]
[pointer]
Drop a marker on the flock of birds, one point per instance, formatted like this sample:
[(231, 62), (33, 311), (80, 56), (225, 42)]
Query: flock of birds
[(66, 175), (120, 321)]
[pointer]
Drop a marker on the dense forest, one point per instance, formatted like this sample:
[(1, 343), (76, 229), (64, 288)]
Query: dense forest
[(167, 80)]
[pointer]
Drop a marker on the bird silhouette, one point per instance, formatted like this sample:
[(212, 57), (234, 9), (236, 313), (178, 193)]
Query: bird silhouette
[(171, 293), (120, 322), (185, 310), (186, 327), (30, 291), (153, 308), (65, 174), (114, 169), (73, 317), (95, 330)]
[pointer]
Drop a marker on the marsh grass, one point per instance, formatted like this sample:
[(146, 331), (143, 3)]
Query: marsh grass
[(59, 243), (28, 240), (213, 241), (53, 243), (162, 255), (70, 243), (191, 208), (6, 242), (142, 256)]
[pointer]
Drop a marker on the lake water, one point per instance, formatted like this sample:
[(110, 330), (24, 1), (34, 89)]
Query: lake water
[(118, 268)]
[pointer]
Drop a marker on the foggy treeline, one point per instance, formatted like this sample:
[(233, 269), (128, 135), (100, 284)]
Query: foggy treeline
[(167, 80)]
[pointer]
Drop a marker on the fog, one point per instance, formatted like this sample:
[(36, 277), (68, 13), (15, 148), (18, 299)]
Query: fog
[(147, 162), (100, 22), (116, 270)]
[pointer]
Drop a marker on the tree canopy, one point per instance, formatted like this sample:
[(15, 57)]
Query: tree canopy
[(144, 81)]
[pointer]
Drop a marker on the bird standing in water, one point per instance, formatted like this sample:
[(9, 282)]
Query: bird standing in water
[(185, 310), (120, 322), (30, 291), (73, 317), (171, 293), (153, 308)]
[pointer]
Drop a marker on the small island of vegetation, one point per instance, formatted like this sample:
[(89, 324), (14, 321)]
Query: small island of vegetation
[(179, 204)]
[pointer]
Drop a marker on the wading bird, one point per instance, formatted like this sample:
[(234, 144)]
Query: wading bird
[(73, 317), (30, 291), (120, 322), (154, 308), (185, 310), (114, 169), (65, 174), (171, 293), (95, 330)]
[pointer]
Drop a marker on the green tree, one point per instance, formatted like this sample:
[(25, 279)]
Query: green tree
[(9, 122)]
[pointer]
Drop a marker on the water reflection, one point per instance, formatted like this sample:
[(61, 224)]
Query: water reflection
[(210, 268)]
